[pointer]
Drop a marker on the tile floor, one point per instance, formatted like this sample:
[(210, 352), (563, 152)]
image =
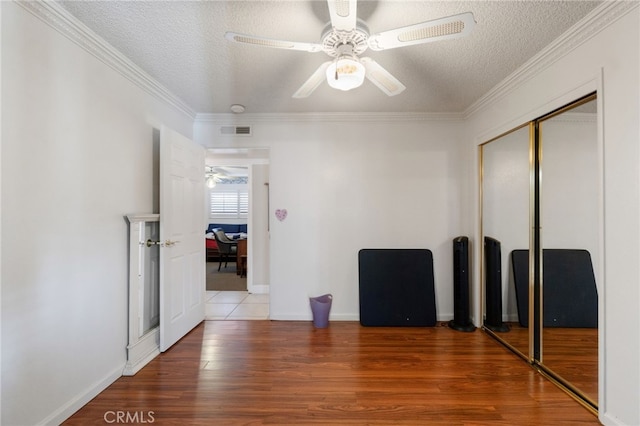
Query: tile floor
[(236, 305)]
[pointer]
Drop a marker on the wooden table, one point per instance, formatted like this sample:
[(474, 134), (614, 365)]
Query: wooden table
[(241, 260)]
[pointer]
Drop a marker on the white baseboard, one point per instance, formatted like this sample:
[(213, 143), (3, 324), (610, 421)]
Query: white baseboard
[(309, 317), (259, 289), (608, 420), (67, 410), (142, 352), (333, 317)]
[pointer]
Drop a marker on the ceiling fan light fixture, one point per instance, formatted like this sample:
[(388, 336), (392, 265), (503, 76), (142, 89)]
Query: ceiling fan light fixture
[(345, 73), (346, 38), (237, 108)]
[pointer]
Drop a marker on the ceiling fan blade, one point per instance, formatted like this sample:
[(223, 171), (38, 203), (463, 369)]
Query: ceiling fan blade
[(313, 82), (268, 42), (343, 14), (438, 29), (381, 77)]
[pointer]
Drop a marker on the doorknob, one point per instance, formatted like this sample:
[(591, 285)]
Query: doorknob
[(167, 243), (150, 243)]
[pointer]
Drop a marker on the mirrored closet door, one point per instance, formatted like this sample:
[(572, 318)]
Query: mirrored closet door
[(570, 188), (506, 179), (541, 191)]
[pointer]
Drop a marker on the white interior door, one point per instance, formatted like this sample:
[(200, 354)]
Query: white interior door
[(182, 260)]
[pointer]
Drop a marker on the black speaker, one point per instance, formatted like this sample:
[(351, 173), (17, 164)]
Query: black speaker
[(396, 288), (570, 297), (493, 285), (461, 320)]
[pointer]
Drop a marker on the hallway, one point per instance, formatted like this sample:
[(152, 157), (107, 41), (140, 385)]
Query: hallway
[(236, 305)]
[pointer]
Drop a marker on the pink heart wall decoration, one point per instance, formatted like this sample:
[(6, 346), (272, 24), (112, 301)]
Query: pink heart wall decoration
[(281, 214)]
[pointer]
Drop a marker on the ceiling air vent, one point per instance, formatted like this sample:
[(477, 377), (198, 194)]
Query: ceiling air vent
[(236, 130)]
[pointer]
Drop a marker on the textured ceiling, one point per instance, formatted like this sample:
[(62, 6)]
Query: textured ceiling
[(181, 44)]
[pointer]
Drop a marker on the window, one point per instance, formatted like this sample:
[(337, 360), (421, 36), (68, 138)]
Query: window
[(229, 203)]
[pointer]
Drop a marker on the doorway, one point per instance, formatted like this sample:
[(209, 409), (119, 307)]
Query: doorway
[(237, 200)]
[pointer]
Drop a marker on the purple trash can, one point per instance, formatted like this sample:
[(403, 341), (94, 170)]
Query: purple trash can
[(320, 307)]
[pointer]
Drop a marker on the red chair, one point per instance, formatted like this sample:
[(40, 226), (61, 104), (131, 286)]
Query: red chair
[(211, 249)]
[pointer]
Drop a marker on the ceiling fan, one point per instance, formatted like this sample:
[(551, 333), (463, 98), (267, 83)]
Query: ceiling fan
[(346, 37), (213, 176), (226, 174)]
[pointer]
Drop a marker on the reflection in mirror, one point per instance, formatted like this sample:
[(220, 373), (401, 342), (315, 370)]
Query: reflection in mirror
[(570, 223), (505, 227)]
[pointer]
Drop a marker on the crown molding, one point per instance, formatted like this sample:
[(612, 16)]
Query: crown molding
[(69, 26), (597, 20), (325, 117), (576, 117)]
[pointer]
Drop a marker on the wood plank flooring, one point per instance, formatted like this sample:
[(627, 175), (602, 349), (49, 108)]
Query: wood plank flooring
[(289, 373), (571, 353)]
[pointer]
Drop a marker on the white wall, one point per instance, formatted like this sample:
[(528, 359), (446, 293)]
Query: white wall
[(71, 125), (613, 54), (374, 183), (571, 184), (77, 156), (258, 251)]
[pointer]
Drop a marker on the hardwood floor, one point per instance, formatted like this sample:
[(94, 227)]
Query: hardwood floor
[(571, 353), (289, 373)]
